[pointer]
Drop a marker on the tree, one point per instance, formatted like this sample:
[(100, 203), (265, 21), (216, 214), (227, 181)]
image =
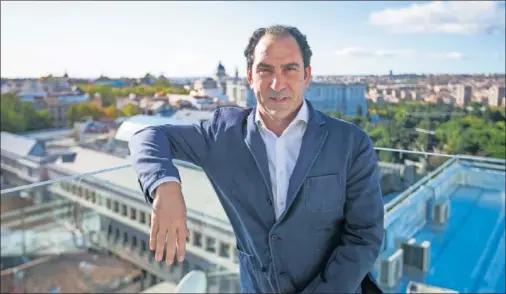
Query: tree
[(422, 139), (359, 111), (72, 114), (131, 109), (90, 109), (19, 116), (112, 112)]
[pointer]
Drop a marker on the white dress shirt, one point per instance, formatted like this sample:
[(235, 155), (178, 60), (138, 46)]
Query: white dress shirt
[(282, 154)]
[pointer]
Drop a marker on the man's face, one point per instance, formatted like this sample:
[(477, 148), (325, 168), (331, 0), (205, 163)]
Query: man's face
[(278, 77)]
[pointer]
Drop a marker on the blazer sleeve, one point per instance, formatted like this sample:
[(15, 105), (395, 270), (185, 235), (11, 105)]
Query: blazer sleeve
[(363, 233), (152, 150)]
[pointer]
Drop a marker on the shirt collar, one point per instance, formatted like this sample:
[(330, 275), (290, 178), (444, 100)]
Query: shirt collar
[(302, 115)]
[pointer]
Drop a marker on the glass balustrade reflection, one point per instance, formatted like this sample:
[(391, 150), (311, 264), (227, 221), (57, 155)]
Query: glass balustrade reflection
[(90, 233)]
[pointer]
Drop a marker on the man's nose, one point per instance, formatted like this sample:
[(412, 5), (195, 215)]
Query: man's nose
[(278, 83)]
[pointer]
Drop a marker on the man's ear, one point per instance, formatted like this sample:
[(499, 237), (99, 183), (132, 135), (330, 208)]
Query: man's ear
[(307, 76), (249, 75)]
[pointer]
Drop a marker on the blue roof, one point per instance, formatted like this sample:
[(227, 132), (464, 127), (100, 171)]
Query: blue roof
[(471, 243), (111, 83), (19, 145), (72, 98), (467, 254)]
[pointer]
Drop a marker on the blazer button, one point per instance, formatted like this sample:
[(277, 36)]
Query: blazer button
[(269, 201), (275, 237), (264, 269)]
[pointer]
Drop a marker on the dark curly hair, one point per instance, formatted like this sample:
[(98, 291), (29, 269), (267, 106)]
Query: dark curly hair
[(278, 31)]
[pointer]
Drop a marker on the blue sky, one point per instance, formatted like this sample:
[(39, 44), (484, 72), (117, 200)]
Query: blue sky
[(189, 38)]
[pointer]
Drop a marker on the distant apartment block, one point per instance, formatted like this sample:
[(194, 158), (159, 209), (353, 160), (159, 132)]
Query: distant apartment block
[(463, 94), (496, 96)]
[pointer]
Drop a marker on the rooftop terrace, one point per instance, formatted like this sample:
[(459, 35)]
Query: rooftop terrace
[(466, 252)]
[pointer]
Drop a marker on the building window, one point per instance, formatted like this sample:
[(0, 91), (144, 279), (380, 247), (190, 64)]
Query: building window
[(116, 206), (186, 267), (108, 203), (125, 238), (142, 217), (134, 242), (133, 213), (210, 244), (197, 239), (224, 250), (124, 210), (143, 246)]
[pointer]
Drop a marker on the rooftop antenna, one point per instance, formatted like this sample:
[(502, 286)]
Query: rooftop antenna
[(193, 282)]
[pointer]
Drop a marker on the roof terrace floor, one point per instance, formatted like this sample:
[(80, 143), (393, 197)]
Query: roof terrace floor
[(467, 255)]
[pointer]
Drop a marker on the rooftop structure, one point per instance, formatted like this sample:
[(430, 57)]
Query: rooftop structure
[(447, 231)]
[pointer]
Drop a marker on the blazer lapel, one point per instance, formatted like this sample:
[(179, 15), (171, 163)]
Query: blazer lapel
[(256, 146), (312, 143)]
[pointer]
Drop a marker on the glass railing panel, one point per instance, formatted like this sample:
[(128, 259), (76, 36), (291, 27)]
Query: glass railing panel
[(91, 234), (91, 231)]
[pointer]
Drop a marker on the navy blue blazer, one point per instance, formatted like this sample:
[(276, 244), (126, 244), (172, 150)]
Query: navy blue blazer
[(331, 232)]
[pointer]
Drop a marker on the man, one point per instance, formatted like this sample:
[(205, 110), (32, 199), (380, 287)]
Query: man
[(300, 188)]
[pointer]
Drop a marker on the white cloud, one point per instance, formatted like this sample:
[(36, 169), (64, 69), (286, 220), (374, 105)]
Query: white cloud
[(456, 17), (361, 52), (449, 55)]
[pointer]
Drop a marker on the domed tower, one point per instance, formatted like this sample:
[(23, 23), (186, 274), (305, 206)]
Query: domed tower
[(221, 77)]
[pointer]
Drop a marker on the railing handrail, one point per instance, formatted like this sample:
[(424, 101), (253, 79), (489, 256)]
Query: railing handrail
[(401, 197), (92, 173)]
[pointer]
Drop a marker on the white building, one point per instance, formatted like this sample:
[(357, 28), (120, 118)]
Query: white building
[(496, 96), (239, 92), (345, 98), (212, 87), (125, 217)]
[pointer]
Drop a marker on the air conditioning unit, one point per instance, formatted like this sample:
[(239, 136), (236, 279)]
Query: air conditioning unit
[(416, 288), (440, 213), (390, 269), (416, 255)]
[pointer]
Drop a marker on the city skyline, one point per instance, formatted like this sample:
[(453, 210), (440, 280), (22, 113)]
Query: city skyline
[(189, 38)]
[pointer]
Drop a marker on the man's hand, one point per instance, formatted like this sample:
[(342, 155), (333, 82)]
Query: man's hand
[(168, 223)]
